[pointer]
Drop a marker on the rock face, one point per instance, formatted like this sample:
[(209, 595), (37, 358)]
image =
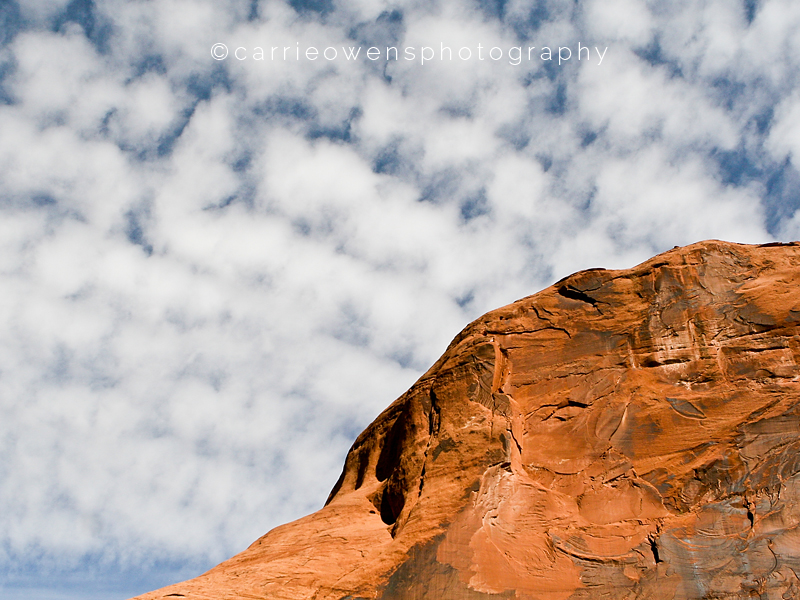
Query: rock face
[(619, 435)]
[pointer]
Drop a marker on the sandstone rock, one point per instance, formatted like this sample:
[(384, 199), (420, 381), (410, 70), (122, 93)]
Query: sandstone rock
[(619, 435)]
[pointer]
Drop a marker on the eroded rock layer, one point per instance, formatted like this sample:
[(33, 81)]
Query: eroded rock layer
[(619, 435)]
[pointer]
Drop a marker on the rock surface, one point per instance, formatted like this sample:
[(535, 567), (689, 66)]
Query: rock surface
[(619, 435)]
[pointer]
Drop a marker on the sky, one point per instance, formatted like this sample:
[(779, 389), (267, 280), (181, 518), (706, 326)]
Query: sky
[(219, 261)]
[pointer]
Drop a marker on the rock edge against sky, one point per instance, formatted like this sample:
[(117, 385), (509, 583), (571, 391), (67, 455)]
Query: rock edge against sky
[(621, 434)]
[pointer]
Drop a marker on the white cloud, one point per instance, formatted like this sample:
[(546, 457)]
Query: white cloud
[(148, 109), (626, 21), (672, 202), (784, 137), (635, 102)]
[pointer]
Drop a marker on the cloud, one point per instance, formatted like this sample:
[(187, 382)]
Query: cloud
[(214, 274), (784, 138)]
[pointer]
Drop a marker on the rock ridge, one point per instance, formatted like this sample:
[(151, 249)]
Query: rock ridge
[(622, 434)]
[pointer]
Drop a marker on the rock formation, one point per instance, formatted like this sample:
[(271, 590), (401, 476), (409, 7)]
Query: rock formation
[(620, 435)]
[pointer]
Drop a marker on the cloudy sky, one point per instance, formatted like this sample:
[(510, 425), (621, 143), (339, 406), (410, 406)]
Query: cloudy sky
[(214, 272)]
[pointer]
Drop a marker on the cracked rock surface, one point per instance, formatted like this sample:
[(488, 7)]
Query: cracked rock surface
[(625, 434)]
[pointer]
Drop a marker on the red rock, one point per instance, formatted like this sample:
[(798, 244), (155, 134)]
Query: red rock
[(619, 435)]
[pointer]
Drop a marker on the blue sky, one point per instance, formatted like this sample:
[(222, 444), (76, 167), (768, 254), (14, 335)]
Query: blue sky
[(215, 273)]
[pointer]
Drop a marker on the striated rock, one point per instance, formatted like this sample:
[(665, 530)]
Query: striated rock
[(619, 435)]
